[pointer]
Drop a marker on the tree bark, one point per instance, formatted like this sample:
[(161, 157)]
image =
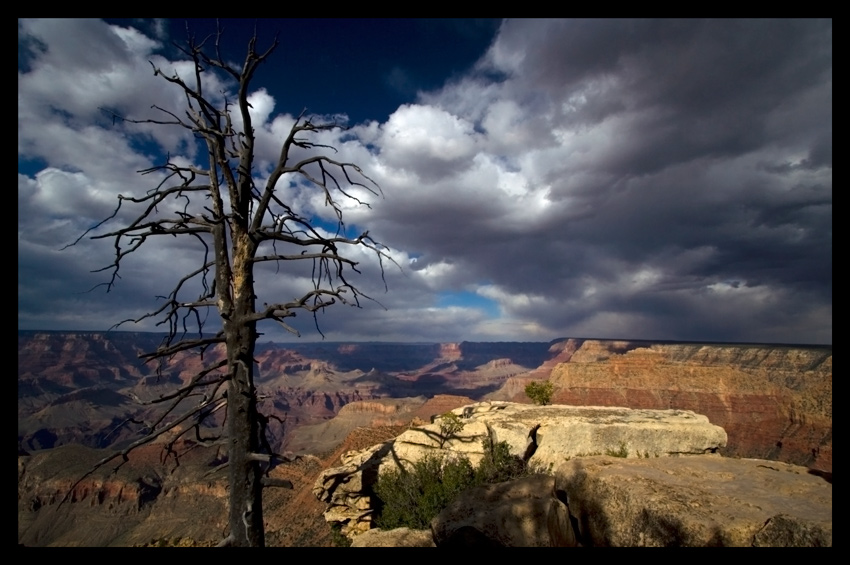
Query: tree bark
[(246, 487)]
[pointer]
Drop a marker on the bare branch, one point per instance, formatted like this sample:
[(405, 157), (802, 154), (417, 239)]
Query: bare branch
[(124, 452), (194, 383), (184, 345)]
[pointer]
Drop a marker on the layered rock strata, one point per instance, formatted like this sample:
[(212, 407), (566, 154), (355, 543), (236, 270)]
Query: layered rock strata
[(775, 402), (143, 500)]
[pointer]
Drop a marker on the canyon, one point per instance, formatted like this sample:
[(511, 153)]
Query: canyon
[(77, 394), (775, 402)]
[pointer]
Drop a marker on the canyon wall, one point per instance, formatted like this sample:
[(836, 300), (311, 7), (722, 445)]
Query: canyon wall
[(774, 401), (141, 501)]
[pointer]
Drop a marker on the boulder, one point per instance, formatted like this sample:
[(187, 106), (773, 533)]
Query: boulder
[(348, 489), (519, 513), (399, 537), (695, 501)]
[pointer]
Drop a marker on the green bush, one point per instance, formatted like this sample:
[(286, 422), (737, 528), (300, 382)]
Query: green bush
[(540, 393), (498, 464), (338, 538), (413, 497)]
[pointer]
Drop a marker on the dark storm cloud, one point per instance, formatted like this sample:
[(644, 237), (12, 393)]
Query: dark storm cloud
[(614, 178), (694, 88), (697, 151)]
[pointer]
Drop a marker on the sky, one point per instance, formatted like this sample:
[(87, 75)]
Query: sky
[(613, 179)]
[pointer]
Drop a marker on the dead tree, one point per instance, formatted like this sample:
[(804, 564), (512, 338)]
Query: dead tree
[(238, 225)]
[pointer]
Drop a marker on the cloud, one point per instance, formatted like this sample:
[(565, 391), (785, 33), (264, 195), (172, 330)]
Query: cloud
[(600, 178), (628, 146), (427, 141)]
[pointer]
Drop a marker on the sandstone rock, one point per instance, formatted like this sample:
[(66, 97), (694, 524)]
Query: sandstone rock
[(399, 537), (347, 489), (549, 435), (512, 514), (695, 501), (564, 432)]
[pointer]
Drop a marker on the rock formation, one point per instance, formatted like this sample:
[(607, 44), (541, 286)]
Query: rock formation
[(603, 501), (695, 501), (775, 402), (399, 537), (318, 438), (559, 433), (143, 500), (519, 513), (148, 502), (78, 387)]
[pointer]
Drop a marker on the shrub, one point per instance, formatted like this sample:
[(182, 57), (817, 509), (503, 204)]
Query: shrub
[(498, 464), (413, 497), (540, 393), (338, 538)]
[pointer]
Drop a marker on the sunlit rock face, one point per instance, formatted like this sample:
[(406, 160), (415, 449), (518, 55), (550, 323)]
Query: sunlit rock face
[(695, 502), (546, 436)]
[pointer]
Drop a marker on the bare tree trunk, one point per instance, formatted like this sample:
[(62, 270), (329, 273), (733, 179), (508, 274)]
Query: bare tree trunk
[(222, 205), (246, 489)]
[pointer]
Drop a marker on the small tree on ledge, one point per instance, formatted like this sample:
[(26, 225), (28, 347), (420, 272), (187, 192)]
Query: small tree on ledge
[(540, 393)]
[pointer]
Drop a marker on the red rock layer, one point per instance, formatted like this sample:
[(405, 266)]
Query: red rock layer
[(773, 402)]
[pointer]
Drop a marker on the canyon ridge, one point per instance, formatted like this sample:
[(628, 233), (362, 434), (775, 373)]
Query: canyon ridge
[(78, 392)]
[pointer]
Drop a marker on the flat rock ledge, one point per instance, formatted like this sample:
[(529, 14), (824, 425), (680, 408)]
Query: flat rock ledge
[(695, 501), (547, 436)]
